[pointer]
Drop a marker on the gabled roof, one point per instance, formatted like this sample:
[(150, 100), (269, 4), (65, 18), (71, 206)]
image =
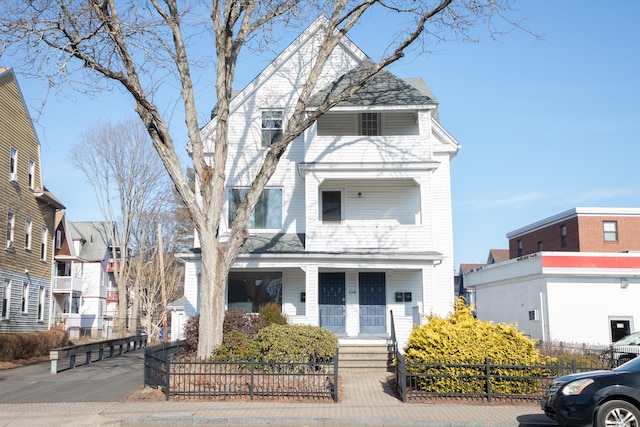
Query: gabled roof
[(61, 222), (497, 255), (96, 237), (383, 89)]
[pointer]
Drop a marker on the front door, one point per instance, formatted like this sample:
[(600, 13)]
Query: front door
[(332, 312), (372, 303)]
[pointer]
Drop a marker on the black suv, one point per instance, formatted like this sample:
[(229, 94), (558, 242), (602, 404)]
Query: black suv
[(598, 398)]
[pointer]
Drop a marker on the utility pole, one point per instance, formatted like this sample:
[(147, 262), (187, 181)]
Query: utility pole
[(162, 285)]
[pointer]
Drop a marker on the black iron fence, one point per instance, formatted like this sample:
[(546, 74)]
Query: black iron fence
[(188, 378), (485, 380), (490, 379)]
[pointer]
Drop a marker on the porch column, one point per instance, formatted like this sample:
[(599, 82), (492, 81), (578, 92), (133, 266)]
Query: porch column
[(311, 289)]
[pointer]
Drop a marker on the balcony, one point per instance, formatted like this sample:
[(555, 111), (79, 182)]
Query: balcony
[(65, 284)]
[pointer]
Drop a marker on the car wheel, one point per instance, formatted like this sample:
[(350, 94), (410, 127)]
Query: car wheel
[(618, 413)]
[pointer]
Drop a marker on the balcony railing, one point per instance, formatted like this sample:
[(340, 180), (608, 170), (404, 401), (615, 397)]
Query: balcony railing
[(66, 284), (112, 295)]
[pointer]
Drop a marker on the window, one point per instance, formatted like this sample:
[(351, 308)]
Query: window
[(32, 174), (271, 126), (27, 235), (13, 165), (250, 290), (11, 226), (370, 124), (563, 236), (519, 244), (58, 239), (331, 207), (610, 231), (6, 299), (43, 245), (540, 246), (267, 213), (41, 295), (25, 297)]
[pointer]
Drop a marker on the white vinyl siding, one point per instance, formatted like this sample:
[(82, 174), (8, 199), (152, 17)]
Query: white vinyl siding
[(350, 123)]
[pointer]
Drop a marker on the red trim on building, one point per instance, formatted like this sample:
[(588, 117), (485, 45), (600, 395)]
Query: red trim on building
[(558, 261)]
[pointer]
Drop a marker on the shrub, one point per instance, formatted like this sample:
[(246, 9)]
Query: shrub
[(271, 314), (191, 329), (241, 321), (462, 338), (31, 344), (296, 343)]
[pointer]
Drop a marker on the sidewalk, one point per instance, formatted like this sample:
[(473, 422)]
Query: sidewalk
[(366, 401)]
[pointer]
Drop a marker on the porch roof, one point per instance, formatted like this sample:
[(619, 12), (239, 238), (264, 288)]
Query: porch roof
[(285, 246)]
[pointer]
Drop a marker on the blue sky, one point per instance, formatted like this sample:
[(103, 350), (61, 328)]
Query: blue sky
[(545, 125)]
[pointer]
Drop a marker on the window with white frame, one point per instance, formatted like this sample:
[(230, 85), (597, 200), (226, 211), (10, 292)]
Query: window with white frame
[(6, 298), (331, 207), (27, 234), (610, 231), (13, 165), (58, 239), (41, 301), (25, 297), (11, 228), (43, 244), (271, 126), (267, 213), (32, 174)]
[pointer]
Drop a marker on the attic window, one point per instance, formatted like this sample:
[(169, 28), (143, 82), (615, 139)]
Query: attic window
[(271, 126), (370, 124)]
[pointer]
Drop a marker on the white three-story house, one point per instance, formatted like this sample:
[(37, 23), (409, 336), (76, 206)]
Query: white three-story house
[(356, 222)]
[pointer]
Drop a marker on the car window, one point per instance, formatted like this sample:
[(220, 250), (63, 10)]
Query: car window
[(631, 366), (633, 339)]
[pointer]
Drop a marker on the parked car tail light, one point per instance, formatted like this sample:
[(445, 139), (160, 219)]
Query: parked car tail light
[(574, 388)]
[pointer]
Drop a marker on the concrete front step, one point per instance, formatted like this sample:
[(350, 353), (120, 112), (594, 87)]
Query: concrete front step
[(364, 356)]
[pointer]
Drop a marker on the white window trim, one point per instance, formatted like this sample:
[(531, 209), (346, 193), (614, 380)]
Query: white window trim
[(41, 303), (282, 219), (270, 129), (11, 230), (25, 298), (6, 295), (342, 207), (43, 244), (13, 164), (28, 226), (32, 174)]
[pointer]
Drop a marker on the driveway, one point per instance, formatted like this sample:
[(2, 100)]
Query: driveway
[(109, 380)]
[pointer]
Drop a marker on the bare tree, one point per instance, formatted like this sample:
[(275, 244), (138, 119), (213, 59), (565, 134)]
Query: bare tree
[(129, 181), (141, 46)]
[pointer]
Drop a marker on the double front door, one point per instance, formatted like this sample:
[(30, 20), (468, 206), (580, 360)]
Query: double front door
[(372, 302)]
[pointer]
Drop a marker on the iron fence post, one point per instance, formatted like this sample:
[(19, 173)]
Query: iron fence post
[(168, 378), (488, 378), (251, 382), (335, 376)]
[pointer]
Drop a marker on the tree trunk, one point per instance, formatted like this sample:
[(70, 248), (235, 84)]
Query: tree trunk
[(213, 278)]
